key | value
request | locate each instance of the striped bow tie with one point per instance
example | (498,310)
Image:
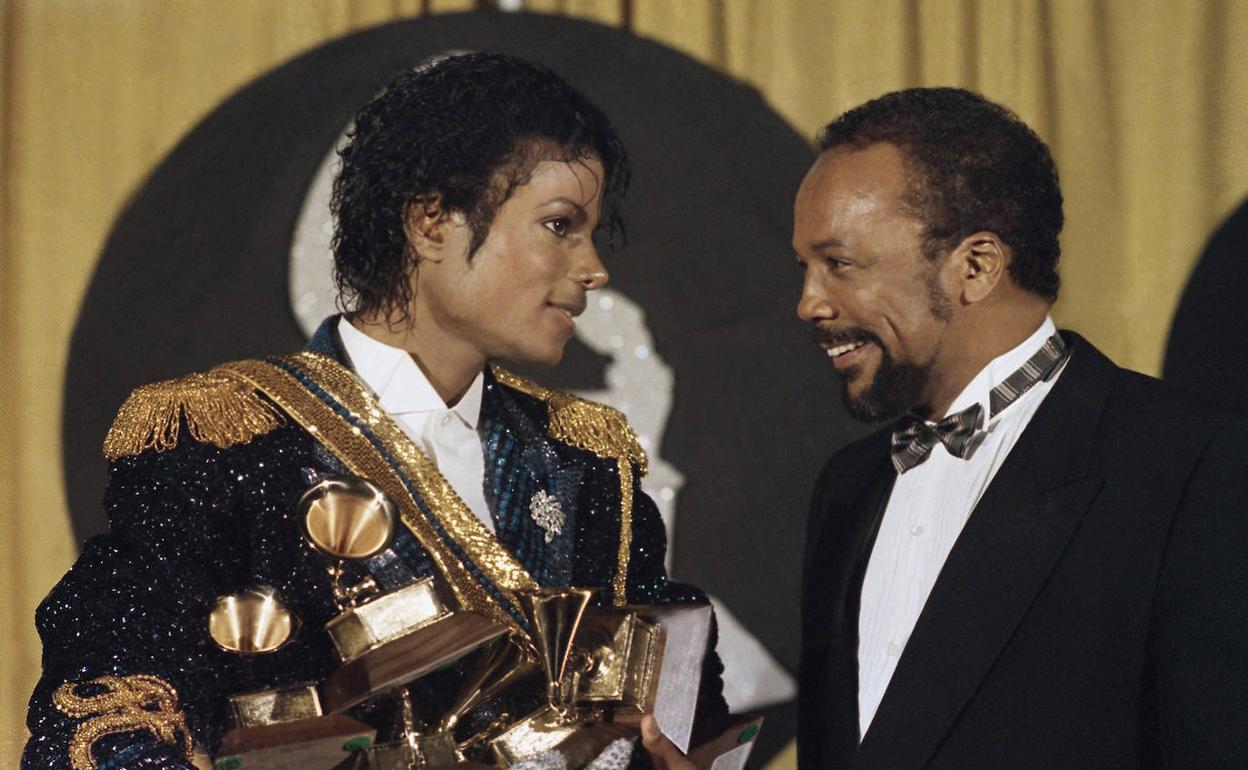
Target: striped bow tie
(914,439)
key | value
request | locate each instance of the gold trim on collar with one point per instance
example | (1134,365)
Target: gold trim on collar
(218,410)
(583,424)
(349,444)
(604,431)
(122,704)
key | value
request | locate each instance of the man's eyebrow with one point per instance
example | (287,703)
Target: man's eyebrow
(561,199)
(827,243)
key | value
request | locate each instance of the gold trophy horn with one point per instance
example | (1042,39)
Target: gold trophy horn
(251,622)
(503,663)
(348,518)
(554,614)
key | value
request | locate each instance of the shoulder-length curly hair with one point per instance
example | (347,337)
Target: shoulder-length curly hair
(454,127)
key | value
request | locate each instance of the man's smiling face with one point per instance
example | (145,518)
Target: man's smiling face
(874,298)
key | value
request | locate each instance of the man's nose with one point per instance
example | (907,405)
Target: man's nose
(816,302)
(588,270)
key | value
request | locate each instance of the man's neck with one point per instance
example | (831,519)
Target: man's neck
(982,343)
(449,367)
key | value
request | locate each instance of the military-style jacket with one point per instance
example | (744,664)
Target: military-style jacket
(204,478)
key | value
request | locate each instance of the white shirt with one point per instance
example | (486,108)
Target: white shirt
(447,436)
(926,511)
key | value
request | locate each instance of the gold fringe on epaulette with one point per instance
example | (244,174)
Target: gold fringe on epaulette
(584,424)
(595,427)
(218,409)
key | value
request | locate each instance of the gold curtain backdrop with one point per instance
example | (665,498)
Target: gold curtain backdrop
(1144,103)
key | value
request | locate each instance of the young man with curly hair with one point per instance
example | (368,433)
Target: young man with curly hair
(469,197)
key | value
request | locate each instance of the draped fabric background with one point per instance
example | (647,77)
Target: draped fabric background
(1145,105)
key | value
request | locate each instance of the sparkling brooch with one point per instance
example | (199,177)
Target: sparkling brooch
(546,512)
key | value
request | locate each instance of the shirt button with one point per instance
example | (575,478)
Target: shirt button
(917,530)
(894,649)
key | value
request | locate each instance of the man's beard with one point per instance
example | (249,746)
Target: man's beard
(894,388)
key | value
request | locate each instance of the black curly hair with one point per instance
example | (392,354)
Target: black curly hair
(454,126)
(973,166)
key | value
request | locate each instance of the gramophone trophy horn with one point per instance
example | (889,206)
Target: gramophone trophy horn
(502,664)
(251,622)
(554,614)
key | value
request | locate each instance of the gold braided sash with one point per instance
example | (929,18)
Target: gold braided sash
(123,704)
(463,531)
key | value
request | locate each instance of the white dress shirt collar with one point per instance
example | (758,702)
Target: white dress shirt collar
(400,385)
(998,369)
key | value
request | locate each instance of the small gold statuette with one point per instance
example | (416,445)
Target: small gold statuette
(577,733)
(277,727)
(384,639)
(546,512)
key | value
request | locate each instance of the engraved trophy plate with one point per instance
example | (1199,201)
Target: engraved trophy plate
(384,618)
(279,704)
(537,733)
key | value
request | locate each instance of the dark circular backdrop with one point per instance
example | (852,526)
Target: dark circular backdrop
(195,273)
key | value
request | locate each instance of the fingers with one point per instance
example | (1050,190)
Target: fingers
(663,753)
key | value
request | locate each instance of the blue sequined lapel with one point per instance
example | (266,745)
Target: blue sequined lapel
(520,461)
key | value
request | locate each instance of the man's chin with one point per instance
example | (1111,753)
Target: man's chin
(877,401)
(864,409)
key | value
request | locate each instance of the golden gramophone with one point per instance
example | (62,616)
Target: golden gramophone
(273,727)
(383,638)
(575,730)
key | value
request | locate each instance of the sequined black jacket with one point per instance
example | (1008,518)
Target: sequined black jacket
(130,675)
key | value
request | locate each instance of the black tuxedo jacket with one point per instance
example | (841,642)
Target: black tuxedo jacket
(1092,614)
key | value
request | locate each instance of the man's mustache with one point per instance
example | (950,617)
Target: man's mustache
(829,337)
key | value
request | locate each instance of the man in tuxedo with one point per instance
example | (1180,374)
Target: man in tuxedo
(1040,561)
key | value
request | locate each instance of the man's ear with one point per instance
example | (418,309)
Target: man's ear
(425,223)
(982,260)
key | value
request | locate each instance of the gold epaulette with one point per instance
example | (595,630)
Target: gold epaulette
(584,424)
(219,409)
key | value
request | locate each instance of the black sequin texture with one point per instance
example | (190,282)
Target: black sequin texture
(196,522)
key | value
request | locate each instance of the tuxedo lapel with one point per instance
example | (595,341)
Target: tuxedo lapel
(841,537)
(1009,547)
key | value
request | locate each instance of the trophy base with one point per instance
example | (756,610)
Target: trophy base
(303,744)
(434,750)
(578,738)
(407,658)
